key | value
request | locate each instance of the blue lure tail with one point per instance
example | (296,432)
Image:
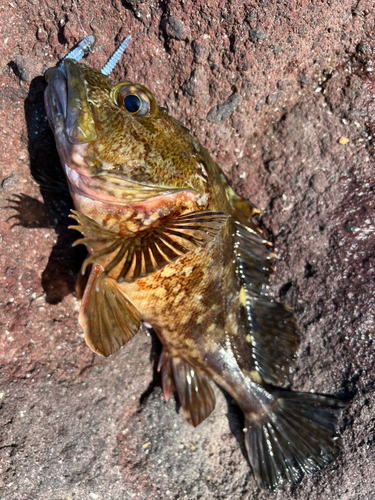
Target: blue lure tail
(82,48)
(114,59)
(86,45)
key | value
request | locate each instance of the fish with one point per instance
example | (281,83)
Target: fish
(170,243)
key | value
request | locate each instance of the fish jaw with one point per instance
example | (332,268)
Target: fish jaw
(60,115)
(69,114)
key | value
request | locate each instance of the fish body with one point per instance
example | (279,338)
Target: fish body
(172,244)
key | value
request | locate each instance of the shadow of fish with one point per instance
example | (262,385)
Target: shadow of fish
(171,243)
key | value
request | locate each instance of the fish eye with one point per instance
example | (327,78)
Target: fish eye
(133,99)
(132,103)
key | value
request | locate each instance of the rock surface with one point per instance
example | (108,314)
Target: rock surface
(75,426)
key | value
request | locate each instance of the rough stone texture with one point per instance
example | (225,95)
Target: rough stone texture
(74,426)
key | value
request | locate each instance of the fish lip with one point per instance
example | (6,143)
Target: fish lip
(55,102)
(56,105)
(91,186)
(56,94)
(66,98)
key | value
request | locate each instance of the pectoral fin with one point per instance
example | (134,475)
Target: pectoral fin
(108,318)
(195,393)
(139,254)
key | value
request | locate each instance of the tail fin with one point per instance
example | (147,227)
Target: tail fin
(294,436)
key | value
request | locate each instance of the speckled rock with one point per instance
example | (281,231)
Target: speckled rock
(269,88)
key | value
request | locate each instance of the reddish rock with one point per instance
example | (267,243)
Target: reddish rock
(27,68)
(78,426)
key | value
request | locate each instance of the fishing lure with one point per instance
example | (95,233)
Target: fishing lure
(87,44)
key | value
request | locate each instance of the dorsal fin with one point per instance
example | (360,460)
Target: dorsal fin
(243,210)
(273,331)
(107,316)
(139,254)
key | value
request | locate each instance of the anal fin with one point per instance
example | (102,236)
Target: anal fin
(293,436)
(107,316)
(195,393)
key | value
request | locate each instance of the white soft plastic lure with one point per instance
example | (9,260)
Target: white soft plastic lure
(87,44)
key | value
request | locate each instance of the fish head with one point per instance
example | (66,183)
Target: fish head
(114,135)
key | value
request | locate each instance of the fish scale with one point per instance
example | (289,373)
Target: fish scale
(172,244)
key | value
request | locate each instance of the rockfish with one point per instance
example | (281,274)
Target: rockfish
(172,244)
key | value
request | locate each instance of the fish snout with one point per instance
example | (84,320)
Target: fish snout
(67,104)
(55,98)
(63,120)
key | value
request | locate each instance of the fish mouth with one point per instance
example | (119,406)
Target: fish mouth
(66,98)
(69,112)
(63,114)
(73,123)
(113,189)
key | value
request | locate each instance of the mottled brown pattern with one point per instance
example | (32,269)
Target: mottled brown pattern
(172,158)
(209,303)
